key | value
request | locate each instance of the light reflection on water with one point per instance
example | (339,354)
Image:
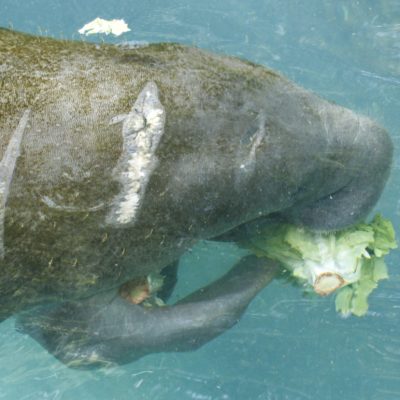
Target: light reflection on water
(286,346)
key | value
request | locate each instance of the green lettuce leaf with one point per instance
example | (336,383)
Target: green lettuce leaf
(348,261)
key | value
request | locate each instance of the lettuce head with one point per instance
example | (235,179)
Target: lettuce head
(349,261)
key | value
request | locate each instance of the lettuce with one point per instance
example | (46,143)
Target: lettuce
(348,261)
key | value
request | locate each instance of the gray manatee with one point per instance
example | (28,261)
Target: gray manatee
(115,161)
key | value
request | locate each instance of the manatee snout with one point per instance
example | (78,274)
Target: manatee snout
(368,149)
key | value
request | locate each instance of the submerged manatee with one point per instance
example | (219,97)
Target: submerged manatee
(115,161)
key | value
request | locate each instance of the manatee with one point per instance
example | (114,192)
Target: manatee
(115,161)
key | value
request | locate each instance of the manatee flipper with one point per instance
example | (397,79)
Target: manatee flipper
(106,329)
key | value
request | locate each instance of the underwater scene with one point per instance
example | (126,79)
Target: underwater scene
(257,142)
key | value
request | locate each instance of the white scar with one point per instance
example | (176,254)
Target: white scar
(142,129)
(7,166)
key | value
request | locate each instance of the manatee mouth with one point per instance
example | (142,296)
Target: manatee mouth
(107,329)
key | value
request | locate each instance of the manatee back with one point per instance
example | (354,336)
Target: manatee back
(58,238)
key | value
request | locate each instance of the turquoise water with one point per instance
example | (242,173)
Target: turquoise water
(286,347)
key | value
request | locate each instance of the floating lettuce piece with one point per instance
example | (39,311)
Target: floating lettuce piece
(100,25)
(349,260)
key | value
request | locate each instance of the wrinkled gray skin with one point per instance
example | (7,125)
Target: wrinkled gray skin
(238,143)
(106,329)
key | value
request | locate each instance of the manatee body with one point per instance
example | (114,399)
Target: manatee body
(115,161)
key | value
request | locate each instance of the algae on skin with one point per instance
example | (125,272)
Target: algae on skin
(64,180)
